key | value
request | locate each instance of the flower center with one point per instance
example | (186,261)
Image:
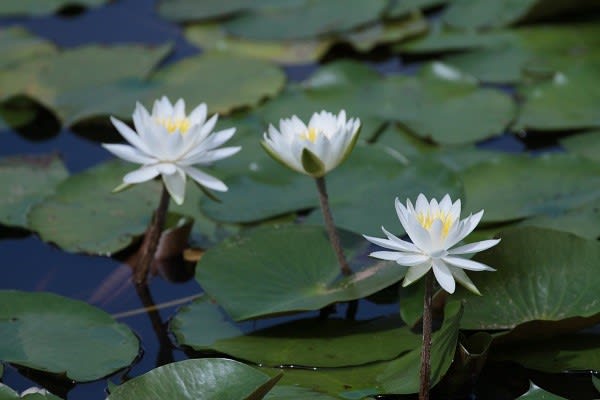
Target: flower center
(175,125)
(427,219)
(310,135)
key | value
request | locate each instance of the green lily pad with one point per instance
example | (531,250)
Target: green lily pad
(18,45)
(565,102)
(43,331)
(364,215)
(529,52)
(190,322)
(440,40)
(395,31)
(586,145)
(26,181)
(402,375)
(6,393)
(112,220)
(192,10)
(310,18)
(577,352)
(223,81)
(282,392)
(596,383)
(306,342)
(513,187)
(541,275)
(293,268)
(41,7)
(402,8)
(486,14)
(537,393)
(213,37)
(389,377)
(583,221)
(101,70)
(204,379)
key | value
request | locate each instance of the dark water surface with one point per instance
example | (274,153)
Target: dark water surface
(32,265)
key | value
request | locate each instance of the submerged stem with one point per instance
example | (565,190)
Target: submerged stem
(330,226)
(149,245)
(426,349)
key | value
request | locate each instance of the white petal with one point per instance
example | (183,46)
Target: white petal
(419,235)
(142,174)
(463,279)
(443,276)
(129,134)
(422,206)
(198,115)
(469,224)
(179,110)
(465,263)
(206,128)
(474,247)
(445,204)
(175,184)
(455,210)
(211,156)
(407,246)
(411,259)
(129,153)
(385,255)
(415,273)
(205,180)
(166,168)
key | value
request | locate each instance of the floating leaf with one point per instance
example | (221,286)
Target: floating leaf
(365,39)
(439,40)
(41,7)
(310,19)
(541,275)
(577,352)
(43,331)
(18,45)
(6,393)
(486,14)
(583,221)
(596,382)
(402,375)
(292,268)
(192,10)
(223,81)
(204,379)
(524,186)
(306,342)
(404,7)
(281,392)
(537,393)
(213,37)
(26,181)
(586,145)
(108,72)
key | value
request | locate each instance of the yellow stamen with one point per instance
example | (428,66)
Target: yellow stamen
(175,125)
(427,219)
(310,135)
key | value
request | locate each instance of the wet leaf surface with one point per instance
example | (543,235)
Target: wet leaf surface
(41,7)
(43,331)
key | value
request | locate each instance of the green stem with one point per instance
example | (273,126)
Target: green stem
(150,244)
(426,349)
(330,226)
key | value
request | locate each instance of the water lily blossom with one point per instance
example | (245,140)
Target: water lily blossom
(169,143)
(314,149)
(434,228)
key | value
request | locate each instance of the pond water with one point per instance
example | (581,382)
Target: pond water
(33,265)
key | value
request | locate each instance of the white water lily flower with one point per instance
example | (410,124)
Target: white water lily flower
(169,143)
(314,149)
(434,228)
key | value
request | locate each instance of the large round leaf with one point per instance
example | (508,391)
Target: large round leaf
(108,72)
(282,392)
(309,19)
(85,216)
(17,46)
(40,7)
(568,101)
(583,221)
(513,187)
(26,181)
(541,275)
(537,393)
(292,268)
(193,10)
(204,379)
(306,342)
(586,145)
(50,333)
(223,81)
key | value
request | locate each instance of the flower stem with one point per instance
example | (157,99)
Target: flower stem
(330,226)
(150,243)
(426,349)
